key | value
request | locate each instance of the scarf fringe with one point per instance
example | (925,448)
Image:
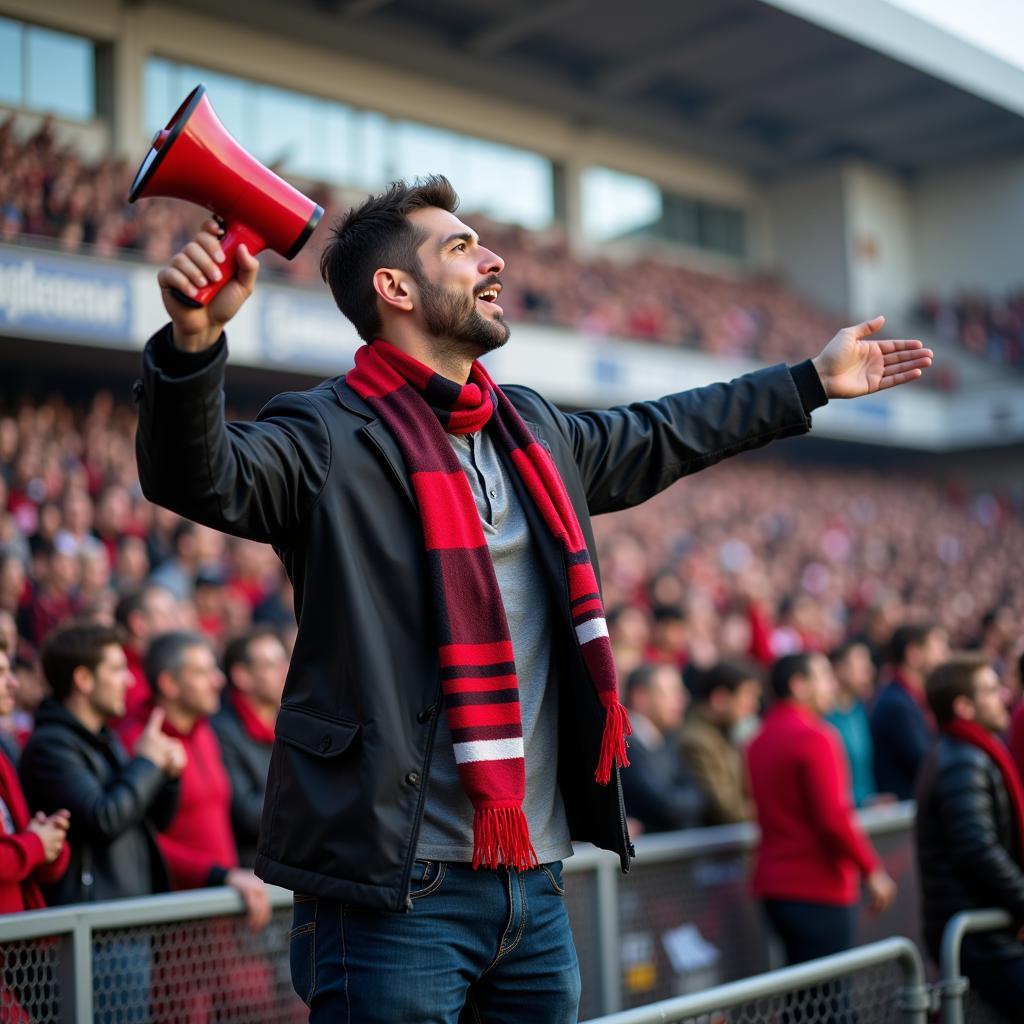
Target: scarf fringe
(613,742)
(501,836)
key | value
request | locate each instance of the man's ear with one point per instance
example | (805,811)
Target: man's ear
(82,680)
(395,288)
(963,707)
(165,686)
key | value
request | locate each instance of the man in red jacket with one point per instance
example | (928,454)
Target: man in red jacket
(812,854)
(32,851)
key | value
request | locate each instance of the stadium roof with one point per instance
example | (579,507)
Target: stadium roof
(743,80)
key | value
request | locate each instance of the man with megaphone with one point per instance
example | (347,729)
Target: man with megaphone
(450,720)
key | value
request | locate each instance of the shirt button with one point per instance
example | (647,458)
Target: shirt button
(494,493)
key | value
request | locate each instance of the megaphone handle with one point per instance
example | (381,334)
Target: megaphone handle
(234,236)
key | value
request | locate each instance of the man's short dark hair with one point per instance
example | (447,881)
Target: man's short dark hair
(725,675)
(77,643)
(375,234)
(239,649)
(131,602)
(913,634)
(783,671)
(639,680)
(667,613)
(167,653)
(953,678)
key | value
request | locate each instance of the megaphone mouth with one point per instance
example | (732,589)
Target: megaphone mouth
(164,140)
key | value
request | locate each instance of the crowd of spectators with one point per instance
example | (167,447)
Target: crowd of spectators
(47,192)
(988,326)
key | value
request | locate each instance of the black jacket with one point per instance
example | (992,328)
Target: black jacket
(117,805)
(247,762)
(320,477)
(968,846)
(660,791)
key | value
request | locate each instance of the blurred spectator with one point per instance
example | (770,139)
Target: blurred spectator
(198,845)
(970,827)
(669,637)
(256,665)
(855,675)
(660,792)
(75,760)
(989,327)
(33,851)
(999,629)
(812,853)
(728,695)
(629,632)
(142,614)
(1017,719)
(901,723)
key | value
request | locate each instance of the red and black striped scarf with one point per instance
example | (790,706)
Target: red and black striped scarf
(478,673)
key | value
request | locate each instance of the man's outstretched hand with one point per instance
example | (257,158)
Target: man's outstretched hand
(851,365)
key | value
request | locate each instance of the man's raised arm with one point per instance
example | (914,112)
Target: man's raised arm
(255,480)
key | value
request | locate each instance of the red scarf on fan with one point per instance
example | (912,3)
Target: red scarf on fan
(478,672)
(257,729)
(971,732)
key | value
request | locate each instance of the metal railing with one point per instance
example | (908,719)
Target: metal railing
(954,988)
(819,990)
(681,921)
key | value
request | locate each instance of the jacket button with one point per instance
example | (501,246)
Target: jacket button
(413,778)
(325,744)
(426,714)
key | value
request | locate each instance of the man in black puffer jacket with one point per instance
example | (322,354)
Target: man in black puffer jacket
(970,826)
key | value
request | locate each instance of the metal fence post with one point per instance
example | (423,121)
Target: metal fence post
(609,932)
(74,974)
(953,985)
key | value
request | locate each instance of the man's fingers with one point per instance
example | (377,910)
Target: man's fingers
(905,354)
(155,721)
(869,327)
(899,378)
(888,346)
(248,268)
(911,363)
(203,259)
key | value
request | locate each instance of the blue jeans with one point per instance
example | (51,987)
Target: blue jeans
(477,946)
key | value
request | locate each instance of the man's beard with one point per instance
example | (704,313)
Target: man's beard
(452,318)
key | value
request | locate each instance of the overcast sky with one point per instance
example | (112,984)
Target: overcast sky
(997,25)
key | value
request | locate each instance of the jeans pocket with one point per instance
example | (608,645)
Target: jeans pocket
(302,947)
(554,873)
(427,876)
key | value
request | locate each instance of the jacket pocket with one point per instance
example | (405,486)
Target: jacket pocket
(313,733)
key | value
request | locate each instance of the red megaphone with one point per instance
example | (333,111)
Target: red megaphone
(195,158)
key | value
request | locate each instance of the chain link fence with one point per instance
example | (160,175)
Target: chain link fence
(30,992)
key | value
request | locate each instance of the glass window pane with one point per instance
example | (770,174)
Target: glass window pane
(158,102)
(615,204)
(285,127)
(340,152)
(723,230)
(61,74)
(10,62)
(375,165)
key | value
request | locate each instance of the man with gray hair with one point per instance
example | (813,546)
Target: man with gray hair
(198,845)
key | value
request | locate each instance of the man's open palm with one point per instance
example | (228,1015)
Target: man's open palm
(851,364)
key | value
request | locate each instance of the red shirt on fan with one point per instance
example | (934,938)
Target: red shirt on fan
(811,846)
(199,847)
